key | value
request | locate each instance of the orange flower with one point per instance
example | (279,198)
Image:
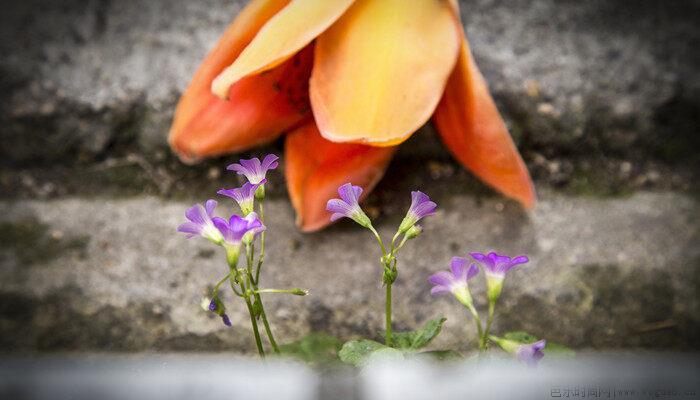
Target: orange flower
(350,79)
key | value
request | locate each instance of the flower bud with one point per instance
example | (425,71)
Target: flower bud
(413,232)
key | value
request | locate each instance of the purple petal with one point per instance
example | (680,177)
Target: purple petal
(228,193)
(532,353)
(212,305)
(226,320)
(473,270)
(442,278)
(439,289)
(221,225)
(515,262)
(349,193)
(196,214)
(425,209)
(485,260)
(241,170)
(237,224)
(210,205)
(252,166)
(269,162)
(539,345)
(421,204)
(190,228)
(338,206)
(337,216)
(458,266)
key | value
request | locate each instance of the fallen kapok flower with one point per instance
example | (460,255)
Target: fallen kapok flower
(364,74)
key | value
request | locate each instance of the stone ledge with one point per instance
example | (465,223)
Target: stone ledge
(605,273)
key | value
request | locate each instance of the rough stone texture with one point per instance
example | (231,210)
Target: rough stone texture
(80,77)
(601,96)
(113,274)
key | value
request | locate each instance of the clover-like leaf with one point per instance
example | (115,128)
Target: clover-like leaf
(385,353)
(355,352)
(414,340)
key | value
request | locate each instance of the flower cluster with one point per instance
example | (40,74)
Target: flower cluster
(236,233)
(347,206)
(495,268)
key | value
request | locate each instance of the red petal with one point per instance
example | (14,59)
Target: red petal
(316,167)
(260,107)
(472,128)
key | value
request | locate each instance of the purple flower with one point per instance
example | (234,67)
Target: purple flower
(531,354)
(244,195)
(212,305)
(496,267)
(253,169)
(455,280)
(201,222)
(226,320)
(421,207)
(238,229)
(347,205)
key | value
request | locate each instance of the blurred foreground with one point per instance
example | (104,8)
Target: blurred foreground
(667,376)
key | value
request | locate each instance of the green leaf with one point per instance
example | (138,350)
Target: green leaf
(385,353)
(355,352)
(414,340)
(520,337)
(558,350)
(313,348)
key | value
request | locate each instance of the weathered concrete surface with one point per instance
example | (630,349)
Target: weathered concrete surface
(80,78)
(113,275)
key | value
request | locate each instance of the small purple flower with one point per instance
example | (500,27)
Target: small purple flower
(212,305)
(226,320)
(238,229)
(348,206)
(244,195)
(201,222)
(455,280)
(498,265)
(421,207)
(253,169)
(531,354)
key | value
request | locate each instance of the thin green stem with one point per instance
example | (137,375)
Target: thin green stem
(253,322)
(489,321)
(289,291)
(235,277)
(268,330)
(254,284)
(216,287)
(379,239)
(477,321)
(261,258)
(389,341)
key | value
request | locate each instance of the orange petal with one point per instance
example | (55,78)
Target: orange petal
(260,107)
(241,31)
(315,168)
(380,70)
(287,32)
(473,130)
